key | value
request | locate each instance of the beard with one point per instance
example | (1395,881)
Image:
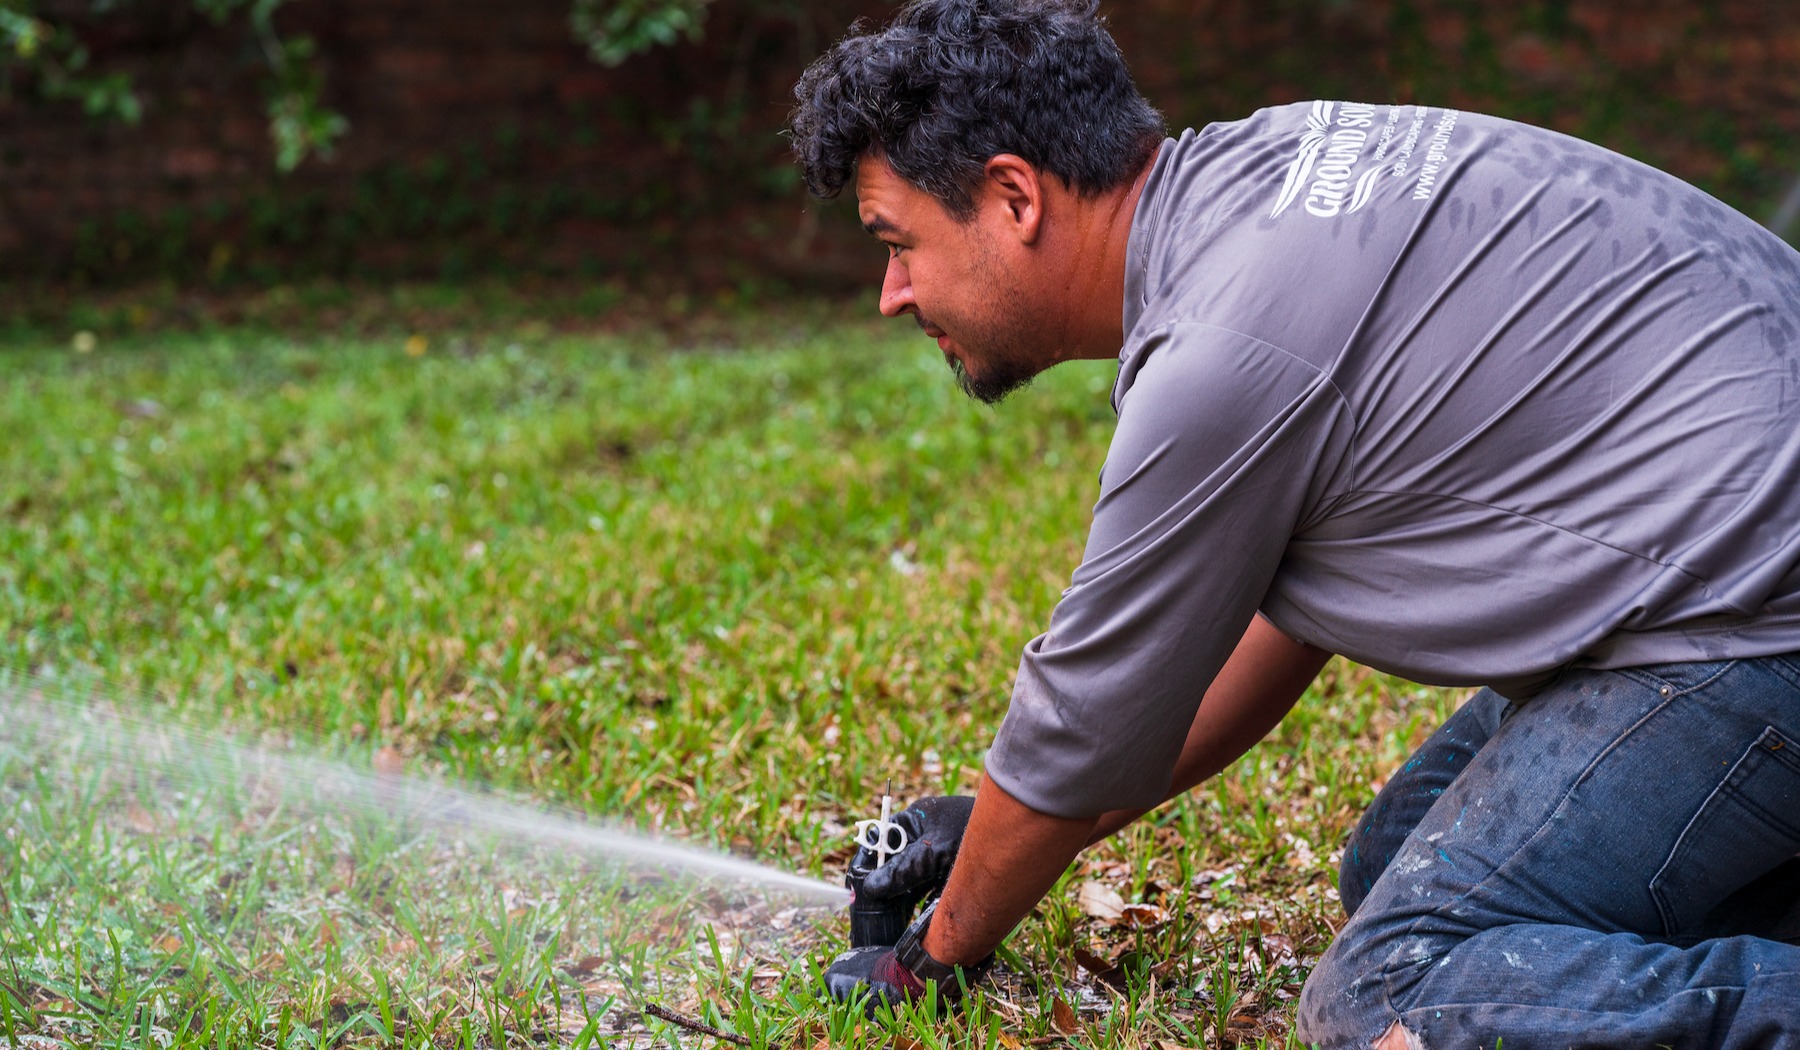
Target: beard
(1005,362)
(995,382)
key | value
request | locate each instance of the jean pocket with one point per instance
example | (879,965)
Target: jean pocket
(1748,825)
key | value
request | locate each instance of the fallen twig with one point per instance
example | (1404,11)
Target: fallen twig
(697,1026)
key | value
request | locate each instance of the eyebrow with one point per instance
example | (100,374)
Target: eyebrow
(878,226)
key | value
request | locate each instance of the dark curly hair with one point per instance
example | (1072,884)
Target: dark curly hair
(949,84)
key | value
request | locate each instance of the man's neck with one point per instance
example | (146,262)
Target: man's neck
(1096,249)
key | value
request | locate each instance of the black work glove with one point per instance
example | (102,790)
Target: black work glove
(873,970)
(934,832)
(902,973)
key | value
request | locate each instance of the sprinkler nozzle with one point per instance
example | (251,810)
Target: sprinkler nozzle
(877,922)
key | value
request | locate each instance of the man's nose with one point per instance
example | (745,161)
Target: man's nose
(896,290)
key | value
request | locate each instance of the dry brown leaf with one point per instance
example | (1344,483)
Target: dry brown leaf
(168,942)
(141,821)
(1240,1024)
(1105,972)
(1100,901)
(1062,1015)
(585,965)
(1143,915)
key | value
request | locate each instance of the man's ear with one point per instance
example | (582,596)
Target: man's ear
(1014,186)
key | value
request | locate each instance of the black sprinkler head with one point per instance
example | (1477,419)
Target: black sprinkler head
(875,922)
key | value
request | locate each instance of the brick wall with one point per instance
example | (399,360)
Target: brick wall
(483,137)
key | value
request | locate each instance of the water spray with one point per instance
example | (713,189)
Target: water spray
(37,723)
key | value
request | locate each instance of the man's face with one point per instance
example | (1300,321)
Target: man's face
(955,279)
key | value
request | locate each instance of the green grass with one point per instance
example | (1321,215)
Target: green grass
(718,593)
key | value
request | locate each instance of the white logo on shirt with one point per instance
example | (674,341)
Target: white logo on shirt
(1317,123)
(1331,150)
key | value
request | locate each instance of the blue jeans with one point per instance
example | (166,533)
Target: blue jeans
(1610,864)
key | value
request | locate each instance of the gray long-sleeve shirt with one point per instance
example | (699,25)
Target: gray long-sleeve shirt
(1465,400)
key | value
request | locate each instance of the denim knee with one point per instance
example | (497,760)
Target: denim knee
(1345,1001)
(1676,780)
(1411,792)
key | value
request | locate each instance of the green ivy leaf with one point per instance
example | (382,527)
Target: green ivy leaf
(615,30)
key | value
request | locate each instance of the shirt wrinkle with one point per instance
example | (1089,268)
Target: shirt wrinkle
(1536,520)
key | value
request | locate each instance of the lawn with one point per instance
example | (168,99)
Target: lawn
(718,587)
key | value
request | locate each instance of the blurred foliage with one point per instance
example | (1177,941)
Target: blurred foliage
(298,122)
(36,54)
(57,63)
(50,59)
(614,30)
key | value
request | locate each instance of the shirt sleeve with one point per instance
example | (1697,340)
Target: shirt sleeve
(1217,456)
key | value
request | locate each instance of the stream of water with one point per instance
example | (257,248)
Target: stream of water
(65,731)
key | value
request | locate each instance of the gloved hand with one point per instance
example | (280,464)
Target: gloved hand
(902,973)
(874,970)
(934,832)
